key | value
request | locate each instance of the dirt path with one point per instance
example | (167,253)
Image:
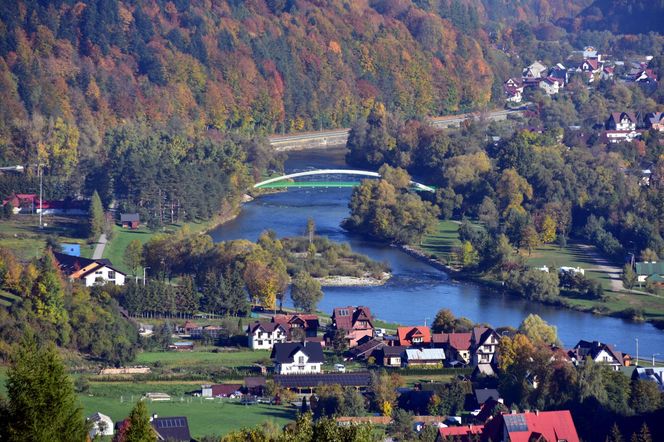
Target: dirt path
(604,266)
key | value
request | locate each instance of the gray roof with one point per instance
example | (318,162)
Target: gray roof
(425,354)
(283,353)
(129,217)
(172,428)
(484,394)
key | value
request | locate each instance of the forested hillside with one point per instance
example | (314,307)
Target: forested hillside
(623,17)
(191,65)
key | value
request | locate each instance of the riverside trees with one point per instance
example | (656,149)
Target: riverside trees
(385,210)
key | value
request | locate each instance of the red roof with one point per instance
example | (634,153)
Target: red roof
(551,426)
(406,334)
(460,432)
(225,389)
(458,341)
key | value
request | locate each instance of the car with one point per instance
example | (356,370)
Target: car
(341,368)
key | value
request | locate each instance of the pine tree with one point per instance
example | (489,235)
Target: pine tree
(42,402)
(615,435)
(139,429)
(643,435)
(96,221)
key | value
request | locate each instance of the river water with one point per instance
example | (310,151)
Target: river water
(416,290)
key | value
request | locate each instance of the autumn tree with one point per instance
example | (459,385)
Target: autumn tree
(138,427)
(133,255)
(538,330)
(306,292)
(629,277)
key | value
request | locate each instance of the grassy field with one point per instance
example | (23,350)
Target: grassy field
(22,235)
(202,357)
(443,240)
(115,248)
(206,417)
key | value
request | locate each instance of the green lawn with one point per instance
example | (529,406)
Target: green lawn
(115,248)
(442,240)
(206,417)
(202,357)
(22,235)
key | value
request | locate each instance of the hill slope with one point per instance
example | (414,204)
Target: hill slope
(191,65)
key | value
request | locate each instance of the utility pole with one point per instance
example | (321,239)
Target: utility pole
(653,358)
(637,351)
(144,269)
(41,193)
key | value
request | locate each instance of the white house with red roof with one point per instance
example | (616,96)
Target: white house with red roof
(89,271)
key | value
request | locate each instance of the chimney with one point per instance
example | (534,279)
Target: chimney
(536,412)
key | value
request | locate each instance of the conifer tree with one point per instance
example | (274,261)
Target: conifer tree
(96,220)
(42,404)
(139,429)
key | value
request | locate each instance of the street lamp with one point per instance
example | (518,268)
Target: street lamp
(144,269)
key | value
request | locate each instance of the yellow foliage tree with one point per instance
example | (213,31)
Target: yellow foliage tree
(548,233)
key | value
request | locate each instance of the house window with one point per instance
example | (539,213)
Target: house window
(300,360)
(260,342)
(417,339)
(99,272)
(111,274)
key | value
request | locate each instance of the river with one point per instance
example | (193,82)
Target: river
(416,290)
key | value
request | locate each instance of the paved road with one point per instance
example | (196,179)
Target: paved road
(334,135)
(99,248)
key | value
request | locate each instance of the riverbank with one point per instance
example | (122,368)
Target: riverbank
(635,307)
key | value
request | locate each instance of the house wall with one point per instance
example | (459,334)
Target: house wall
(296,368)
(261,340)
(104,273)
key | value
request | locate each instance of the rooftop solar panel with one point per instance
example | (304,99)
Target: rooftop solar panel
(515,422)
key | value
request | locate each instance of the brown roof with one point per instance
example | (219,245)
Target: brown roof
(617,116)
(309,321)
(268,327)
(346,317)
(225,389)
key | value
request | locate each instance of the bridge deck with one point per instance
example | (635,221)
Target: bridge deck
(309,184)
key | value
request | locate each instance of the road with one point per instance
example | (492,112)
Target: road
(99,248)
(336,137)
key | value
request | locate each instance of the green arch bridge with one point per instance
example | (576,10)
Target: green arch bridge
(286,181)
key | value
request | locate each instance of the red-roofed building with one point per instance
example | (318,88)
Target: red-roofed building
(414,336)
(221,390)
(456,345)
(545,426)
(308,323)
(356,322)
(464,433)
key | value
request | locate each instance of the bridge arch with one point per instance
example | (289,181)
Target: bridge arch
(418,186)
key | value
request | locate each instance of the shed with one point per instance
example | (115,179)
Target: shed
(130,220)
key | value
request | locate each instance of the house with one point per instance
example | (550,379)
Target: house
(598,352)
(21,202)
(483,344)
(483,395)
(419,357)
(607,73)
(391,356)
(172,429)
(255,385)
(591,65)
(649,272)
(206,332)
(559,72)
(550,85)
(89,271)
(130,220)
(654,374)
(655,121)
(297,358)
(456,345)
(365,350)
(100,425)
(622,121)
(414,336)
(263,335)
(220,390)
(543,426)
(643,76)
(463,433)
(356,322)
(62,207)
(309,324)
(513,89)
(535,70)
